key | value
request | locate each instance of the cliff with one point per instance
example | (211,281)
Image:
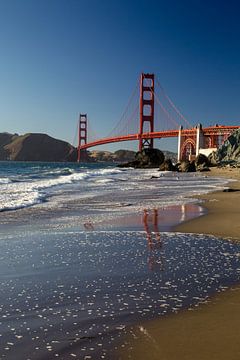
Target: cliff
(229,152)
(35,147)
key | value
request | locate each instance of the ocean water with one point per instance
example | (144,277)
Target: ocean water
(72,279)
(25,185)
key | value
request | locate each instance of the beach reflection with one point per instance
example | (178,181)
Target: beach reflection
(154,242)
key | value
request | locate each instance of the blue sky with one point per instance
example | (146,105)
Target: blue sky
(62,57)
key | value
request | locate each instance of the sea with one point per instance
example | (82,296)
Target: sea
(88,250)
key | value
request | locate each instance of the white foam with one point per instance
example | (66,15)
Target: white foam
(34,191)
(5,180)
(131,185)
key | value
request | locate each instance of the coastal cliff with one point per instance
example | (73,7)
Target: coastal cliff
(35,147)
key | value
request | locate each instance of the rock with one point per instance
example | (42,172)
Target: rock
(230,190)
(202,167)
(128,164)
(229,152)
(186,166)
(212,158)
(201,160)
(202,163)
(167,165)
(149,158)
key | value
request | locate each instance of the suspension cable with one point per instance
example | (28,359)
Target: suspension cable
(164,109)
(173,105)
(126,109)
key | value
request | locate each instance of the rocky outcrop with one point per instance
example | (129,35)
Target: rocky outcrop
(149,158)
(229,152)
(35,147)
(202,163)
(186,166)
(145,159)
(167,165)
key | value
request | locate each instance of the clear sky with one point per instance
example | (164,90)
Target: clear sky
(62,57)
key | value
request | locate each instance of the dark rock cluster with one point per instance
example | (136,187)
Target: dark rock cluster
(154,158)
(228,153)
(145,159)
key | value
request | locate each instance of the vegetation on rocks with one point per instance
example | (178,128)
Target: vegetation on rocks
(229,152)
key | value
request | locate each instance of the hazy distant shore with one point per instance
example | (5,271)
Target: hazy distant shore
(211,330)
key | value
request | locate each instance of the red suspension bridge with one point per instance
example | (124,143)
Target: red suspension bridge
(152,115)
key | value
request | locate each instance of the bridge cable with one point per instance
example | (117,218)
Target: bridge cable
(126,109)
(164,109)
(75,136)
(173,105)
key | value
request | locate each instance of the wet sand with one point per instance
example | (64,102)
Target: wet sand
(222,218)
(210,331)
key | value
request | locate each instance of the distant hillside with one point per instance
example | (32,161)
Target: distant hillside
(170,155)
(107,156)
(122,155)
(35,147)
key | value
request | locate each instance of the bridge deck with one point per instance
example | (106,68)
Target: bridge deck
(208,131)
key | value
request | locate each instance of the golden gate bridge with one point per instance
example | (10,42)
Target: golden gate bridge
(150,114)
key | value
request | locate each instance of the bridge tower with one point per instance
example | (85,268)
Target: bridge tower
(146,109)
(82,135)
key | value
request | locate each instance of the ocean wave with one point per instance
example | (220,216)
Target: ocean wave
(5,180)
(21,192)
(104,181)
(21,200)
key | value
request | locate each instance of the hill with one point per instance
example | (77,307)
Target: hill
(35,147)
(107,156)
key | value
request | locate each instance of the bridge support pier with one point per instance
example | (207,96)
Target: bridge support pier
(146,109)
(82,134)
(179,143)
(189,145)
(199,139)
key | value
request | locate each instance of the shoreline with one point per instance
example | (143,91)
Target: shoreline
(209,331)
(223,208)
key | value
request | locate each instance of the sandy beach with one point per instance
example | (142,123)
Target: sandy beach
(82,276)
(222,218)
(209,331)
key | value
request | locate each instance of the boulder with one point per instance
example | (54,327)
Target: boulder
(202,163)
(201,159)
(186,166)
(202,167)
(167,165)
(147,158)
